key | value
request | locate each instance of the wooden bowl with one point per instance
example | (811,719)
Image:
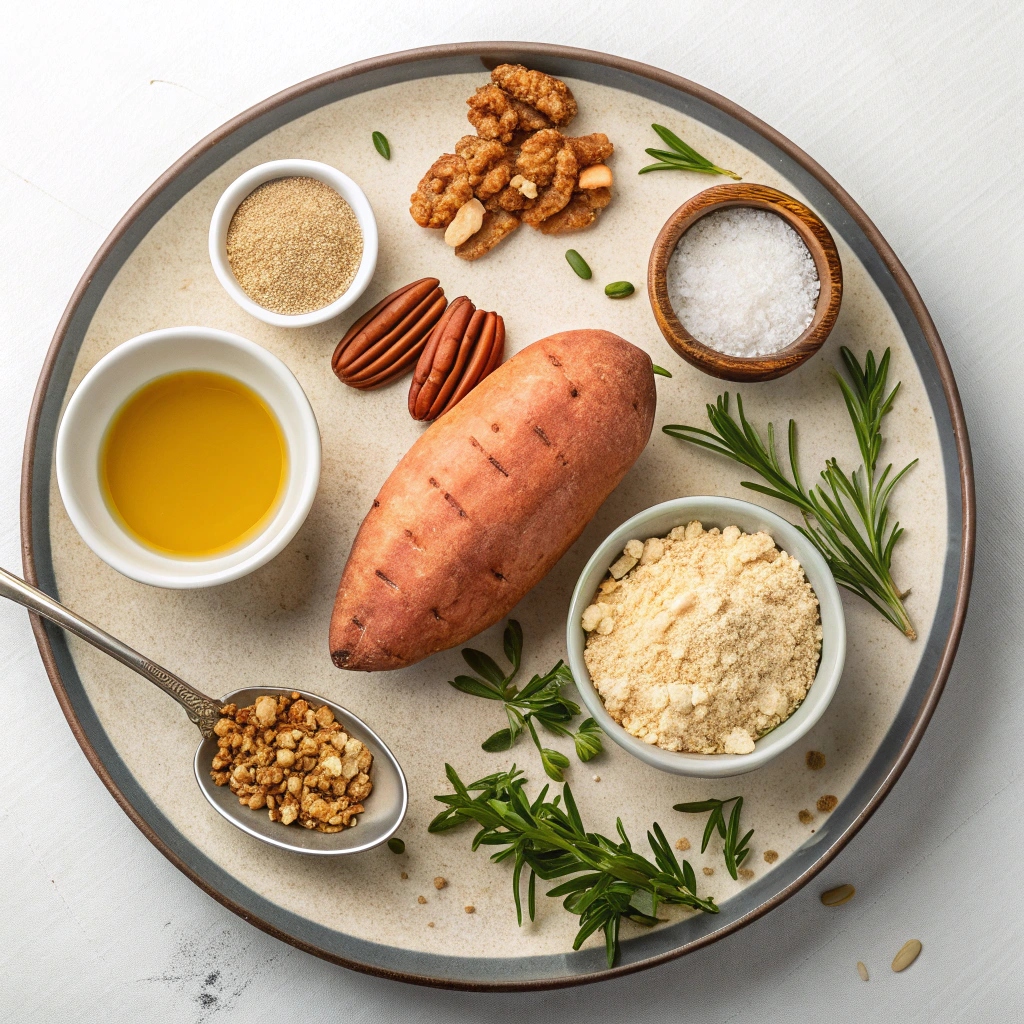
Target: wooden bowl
(820,245)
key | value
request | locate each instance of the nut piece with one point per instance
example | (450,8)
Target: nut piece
(524,186)
(596,176)
(551,96)
(498,225)
(464,347)
(385,342)
(467,223)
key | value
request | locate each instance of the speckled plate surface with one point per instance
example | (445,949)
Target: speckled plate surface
(271,627)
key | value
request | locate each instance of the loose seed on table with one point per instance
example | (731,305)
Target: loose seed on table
(579,264)
(396,845)
(381,144)
(908,953)
(862,971)
(841,894)
(618,289)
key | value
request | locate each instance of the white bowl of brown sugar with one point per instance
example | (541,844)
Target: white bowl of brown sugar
(706,635)
(294,242)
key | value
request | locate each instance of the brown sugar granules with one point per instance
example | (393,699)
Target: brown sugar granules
(746,874)
(805,817)
(770,856)
(683,844)
(815,760)
(421,899)
(470,909)
(827,803)
(439,882)
(294,245)
(709,871)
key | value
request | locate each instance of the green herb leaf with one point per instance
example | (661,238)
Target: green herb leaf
(660,370)
(846,516)
(619,290)
(578,264)
(680,157)
(540,700)
(501,740)
(588,740)
(381,144)
(604,879)
(733,850)
(395,845)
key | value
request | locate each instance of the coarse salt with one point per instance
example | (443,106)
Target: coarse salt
(742,282)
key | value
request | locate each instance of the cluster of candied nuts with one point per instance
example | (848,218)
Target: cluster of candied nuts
(295,760)
(518,168)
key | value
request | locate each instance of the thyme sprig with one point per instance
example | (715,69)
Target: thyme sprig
(540,699)
(734,849)
(680,157)
(847,519)
(610,879)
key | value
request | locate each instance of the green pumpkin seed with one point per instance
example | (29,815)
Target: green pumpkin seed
(618,289)
(381,144)
(395,845)
(660,370)
(579,264)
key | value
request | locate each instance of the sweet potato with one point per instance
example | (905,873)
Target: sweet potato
(490,497)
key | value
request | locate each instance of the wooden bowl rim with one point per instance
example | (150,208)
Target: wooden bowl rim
(814,234)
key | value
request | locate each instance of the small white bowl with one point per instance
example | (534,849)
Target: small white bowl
(241,187)
(117,376)
(721,512)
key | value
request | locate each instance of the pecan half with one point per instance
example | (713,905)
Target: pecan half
(384,343)
(464,347)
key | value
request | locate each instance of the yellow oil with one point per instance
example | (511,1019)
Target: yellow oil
(193,463)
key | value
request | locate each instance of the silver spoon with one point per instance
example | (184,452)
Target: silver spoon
(385,806)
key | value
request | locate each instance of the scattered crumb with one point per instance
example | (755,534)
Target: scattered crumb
(470,909)
(439,882)
(597,778)
(421,899)
(430,924)
(862,971)
(815,759)
(770,856)
(405,876)
(827,803)
(805,817)
(745,873)
(683,844)
(709,871)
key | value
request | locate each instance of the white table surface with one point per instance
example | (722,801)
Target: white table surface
(915,107)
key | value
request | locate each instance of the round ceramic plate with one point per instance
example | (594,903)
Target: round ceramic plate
(270,628)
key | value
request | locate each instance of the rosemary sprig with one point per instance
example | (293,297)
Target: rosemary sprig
(681,157)
(540,699)
(848,518)
(734,849)
(611,880)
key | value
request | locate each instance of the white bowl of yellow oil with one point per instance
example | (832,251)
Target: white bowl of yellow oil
(188,457)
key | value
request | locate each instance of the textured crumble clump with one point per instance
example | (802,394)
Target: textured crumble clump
(703,641)
(827,803)
(815,760)
(294,760)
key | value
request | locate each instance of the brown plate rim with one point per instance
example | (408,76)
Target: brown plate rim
(910,295)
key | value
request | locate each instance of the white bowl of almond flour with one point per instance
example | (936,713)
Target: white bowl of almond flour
(706,636)
(293,242)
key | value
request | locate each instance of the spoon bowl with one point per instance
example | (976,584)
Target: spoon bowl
(385,806)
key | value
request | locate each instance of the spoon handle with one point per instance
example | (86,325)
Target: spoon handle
(202,710)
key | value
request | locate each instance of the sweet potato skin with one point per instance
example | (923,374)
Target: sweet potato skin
(488,499)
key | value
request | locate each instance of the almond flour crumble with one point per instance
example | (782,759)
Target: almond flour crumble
(704,640)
